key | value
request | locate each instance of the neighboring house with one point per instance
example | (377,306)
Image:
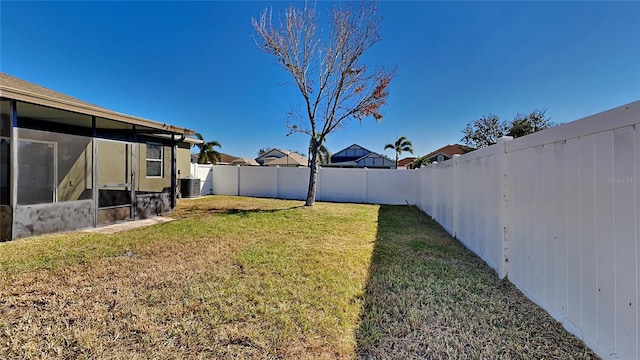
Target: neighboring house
(245,162)
(447,152)
(225,159)
(279,157)
(66,164)
(355,156)
(406,163)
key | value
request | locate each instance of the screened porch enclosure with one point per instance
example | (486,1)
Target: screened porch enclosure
(61,170)
(115,181)
(5,171)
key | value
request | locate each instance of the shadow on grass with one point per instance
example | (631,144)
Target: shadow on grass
(199,212)
(429,297)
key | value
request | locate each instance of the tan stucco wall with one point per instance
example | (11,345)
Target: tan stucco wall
(111,166)
(111,162)
(73,161)
(78,178)
(184,162)
(154,184)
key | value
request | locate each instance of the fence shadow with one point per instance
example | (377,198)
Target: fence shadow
(427,296)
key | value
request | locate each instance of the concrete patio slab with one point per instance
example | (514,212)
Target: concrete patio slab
(129,225)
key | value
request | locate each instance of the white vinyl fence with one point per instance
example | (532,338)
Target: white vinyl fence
(558,212)
(373,186)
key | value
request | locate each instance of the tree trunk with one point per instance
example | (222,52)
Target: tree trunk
(313,176)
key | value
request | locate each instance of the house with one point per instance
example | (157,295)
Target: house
(283,158)
(66,164)
(406,163)
(356,156)
(225,159)
(447,152)
(244,162)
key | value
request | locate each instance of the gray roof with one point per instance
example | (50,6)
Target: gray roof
(15,88)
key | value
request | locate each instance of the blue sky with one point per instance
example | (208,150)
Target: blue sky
(195,64)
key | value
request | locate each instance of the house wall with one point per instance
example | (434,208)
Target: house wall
(29,220)
(73,164)
(6,216)
(152,204)
(113,154)
(6,222)
(54,191)
(269,155)
(351,153)
(5,156)
(76,177)
(52,159)
(112,158)
(153,194)
(55,174)
(375,161)
(183,161)
(114,169)
(153,184)
(556,211)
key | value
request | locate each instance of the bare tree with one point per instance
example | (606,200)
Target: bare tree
(327,68)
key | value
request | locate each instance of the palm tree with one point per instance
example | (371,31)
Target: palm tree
(420,162)
(208,155)
(324,155)
(401,145)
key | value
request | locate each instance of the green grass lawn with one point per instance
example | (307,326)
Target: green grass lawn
(240,277)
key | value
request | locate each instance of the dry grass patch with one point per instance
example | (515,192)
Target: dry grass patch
(259,278)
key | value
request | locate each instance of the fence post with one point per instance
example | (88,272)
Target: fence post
(423,192)
(238,184)
(366,181)
(434,186)
(504,205)
(456,196)
(277,181)
(318,183)
(211,171)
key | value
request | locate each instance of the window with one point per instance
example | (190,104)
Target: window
(154,160)
(440,158)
